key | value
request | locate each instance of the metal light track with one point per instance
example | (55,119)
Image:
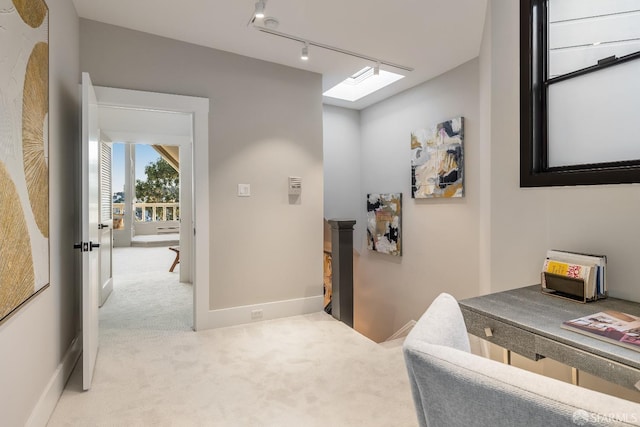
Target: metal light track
(332,48)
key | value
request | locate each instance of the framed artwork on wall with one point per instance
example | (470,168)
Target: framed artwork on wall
(384,223)
(24,155)
(437,160)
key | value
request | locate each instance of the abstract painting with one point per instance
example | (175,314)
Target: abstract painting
(24,165)
(384,223)
(437,161)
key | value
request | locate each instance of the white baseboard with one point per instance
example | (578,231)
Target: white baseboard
(49,397)
(271,310)
(402,332)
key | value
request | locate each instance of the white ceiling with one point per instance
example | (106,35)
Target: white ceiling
(431,36)
(133,126)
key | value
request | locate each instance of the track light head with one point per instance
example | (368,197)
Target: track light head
(259,12)
(305,52)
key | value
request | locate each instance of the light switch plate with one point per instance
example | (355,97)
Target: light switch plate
(244,190)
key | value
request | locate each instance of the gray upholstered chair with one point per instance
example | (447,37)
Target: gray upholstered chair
(452,387)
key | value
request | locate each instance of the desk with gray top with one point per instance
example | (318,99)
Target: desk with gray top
(528,322)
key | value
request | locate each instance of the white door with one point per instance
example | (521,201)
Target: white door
(105,226)
(90,236)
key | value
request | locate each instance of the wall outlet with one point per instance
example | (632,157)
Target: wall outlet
(244,190)
(256,314)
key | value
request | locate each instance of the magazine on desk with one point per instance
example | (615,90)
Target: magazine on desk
(611,326)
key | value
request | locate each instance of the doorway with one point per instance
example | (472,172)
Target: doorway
(146,195)
(146,239)
(194,199)
(147,185)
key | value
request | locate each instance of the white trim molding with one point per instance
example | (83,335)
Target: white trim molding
(402,332)
(52,392)
(199,152)
(269,311)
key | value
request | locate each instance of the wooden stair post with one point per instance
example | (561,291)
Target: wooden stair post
(342,267)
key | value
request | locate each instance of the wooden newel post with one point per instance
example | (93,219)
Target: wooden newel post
(342,268)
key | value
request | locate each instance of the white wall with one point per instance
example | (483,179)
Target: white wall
(265,124)
(342,167)
(34,341)
(485,79)
(526,222)
(440,237)
(518,220)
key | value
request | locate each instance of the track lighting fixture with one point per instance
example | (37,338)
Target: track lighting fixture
(308,43)
(259,12)
(354,87)
(269,25)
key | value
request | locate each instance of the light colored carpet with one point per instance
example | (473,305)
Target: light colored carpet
(152,370)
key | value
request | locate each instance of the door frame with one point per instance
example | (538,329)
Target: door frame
(199,110)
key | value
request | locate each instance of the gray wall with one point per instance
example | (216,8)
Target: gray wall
(441,246)
(265,124)
(342,151)
(484,77)
(440,237)
(501,231)
(526,222)
(33,341)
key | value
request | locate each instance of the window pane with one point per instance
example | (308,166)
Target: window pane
(594,118)
(581,32)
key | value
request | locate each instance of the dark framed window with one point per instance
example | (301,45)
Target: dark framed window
(579,92)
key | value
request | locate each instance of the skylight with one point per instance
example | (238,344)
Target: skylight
(361,84)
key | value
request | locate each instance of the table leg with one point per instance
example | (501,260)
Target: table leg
(575,376)
(506,356)
(175,261)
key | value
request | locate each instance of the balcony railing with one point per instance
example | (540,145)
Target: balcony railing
(149,212)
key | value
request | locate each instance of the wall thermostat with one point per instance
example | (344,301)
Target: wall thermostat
(295,185)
